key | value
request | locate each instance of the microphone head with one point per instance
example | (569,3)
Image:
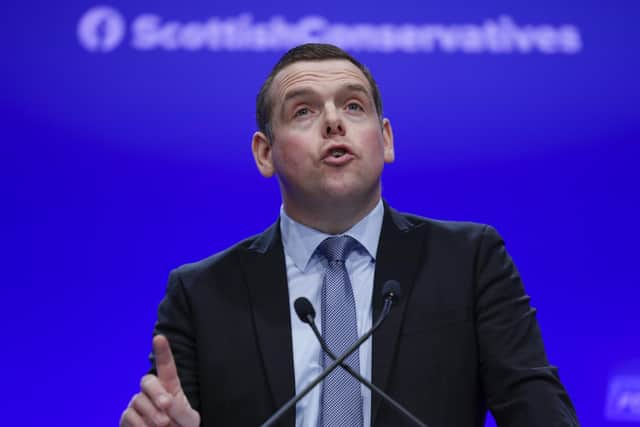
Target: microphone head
(391,290)
(304,309)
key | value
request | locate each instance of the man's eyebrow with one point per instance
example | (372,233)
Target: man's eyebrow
(354,87)
(296,93)
(305,91)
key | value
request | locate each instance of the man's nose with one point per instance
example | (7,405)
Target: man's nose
(333,123)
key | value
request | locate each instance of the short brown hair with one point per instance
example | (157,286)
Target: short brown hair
(306,52)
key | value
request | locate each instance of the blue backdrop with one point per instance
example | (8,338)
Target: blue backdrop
(126,151)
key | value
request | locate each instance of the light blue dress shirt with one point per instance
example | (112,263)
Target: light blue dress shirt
(305,272)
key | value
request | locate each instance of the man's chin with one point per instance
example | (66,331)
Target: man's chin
(351,196)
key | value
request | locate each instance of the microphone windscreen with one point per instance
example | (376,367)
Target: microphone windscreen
(304,309)
(391,288)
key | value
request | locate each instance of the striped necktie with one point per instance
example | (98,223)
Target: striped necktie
(341,398)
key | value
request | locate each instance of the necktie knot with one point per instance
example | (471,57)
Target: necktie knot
(337,248)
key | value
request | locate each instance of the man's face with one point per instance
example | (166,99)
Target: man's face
(328,142)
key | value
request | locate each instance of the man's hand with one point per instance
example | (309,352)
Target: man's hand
(161,401)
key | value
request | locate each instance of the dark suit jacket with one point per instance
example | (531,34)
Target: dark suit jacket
(462,339)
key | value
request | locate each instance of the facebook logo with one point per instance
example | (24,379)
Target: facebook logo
(101,29)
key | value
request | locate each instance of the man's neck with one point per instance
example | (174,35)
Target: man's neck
(331,217)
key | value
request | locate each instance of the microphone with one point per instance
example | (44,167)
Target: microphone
(391,290)
(390,293)
(307,314)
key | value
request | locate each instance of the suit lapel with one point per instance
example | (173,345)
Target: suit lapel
(399,253)
(266,275)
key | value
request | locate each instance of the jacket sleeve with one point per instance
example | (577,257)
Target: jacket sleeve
(521,387)
(175,323)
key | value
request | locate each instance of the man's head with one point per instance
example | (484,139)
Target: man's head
(306,52)
(323,137)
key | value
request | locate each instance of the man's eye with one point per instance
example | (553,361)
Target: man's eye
(302,112)
(354,106)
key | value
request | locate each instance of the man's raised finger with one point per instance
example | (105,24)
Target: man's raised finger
(165,365)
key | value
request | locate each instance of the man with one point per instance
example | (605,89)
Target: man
(462,339)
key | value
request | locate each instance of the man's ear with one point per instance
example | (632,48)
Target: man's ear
(261,148)
(387,137)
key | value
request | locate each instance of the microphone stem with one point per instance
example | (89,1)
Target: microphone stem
(385,310)
(370,385)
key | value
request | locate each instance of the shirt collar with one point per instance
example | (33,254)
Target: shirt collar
(300,241)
